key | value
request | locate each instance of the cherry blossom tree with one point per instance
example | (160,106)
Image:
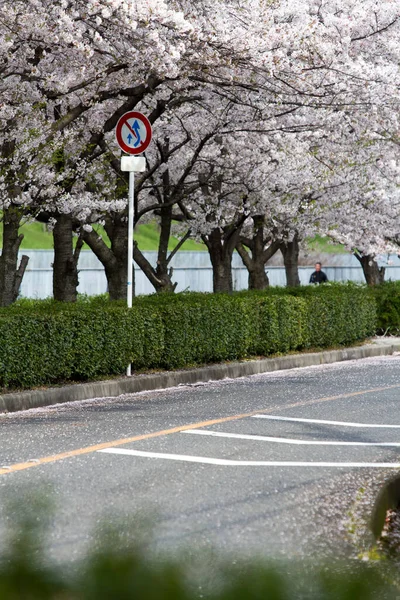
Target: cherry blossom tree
(321,75)
(79,66)
(158,191)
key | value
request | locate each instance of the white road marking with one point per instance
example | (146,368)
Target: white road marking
(342,423)
(246,463)
(265,438)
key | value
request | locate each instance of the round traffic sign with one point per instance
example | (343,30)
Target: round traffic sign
(133,132)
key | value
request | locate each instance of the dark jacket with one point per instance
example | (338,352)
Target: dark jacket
(318,277)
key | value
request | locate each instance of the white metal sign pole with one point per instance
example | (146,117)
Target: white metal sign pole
(133,134)
(129,281)
(132,164)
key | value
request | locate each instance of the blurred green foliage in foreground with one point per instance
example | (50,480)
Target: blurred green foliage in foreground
(119,569)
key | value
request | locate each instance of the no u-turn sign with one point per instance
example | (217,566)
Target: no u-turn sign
(133,132)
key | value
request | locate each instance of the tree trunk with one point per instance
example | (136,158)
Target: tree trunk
(373,274)
(117,278)
(65,266)
(259,255)
(10,274)
(114,259)
(163,273)
(290,253)
(222,272)
(160,282)
(258,278)
(161,277)
(116,269)
(221,251)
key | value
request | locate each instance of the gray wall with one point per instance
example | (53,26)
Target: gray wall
(192,271)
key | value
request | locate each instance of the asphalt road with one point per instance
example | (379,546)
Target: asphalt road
(267,465)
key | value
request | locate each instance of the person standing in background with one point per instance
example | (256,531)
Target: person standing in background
(318,276)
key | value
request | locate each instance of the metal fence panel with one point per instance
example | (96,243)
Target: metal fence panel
(191,270)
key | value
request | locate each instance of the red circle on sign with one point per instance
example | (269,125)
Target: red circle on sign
(124,121)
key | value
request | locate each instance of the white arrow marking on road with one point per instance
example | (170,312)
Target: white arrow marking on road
(265,438)
(246,463)
(342,423)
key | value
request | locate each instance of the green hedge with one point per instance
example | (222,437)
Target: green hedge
(332,314)
(201,328)
(338,314)
(75,343)
(387,298)
(44,342)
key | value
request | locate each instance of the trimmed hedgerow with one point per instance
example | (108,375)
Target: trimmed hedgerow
(44,342)
(58,343)
(387,297)
(278,323)
(200,328)
(337,313)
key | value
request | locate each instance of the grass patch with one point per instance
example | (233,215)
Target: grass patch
(324,245)
(37,237)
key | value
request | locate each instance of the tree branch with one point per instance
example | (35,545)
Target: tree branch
(179,245)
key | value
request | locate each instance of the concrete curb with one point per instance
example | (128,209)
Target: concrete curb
(139,383)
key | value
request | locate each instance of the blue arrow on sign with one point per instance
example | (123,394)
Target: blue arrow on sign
(136,130)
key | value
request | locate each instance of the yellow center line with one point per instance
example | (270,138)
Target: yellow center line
(146,436)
